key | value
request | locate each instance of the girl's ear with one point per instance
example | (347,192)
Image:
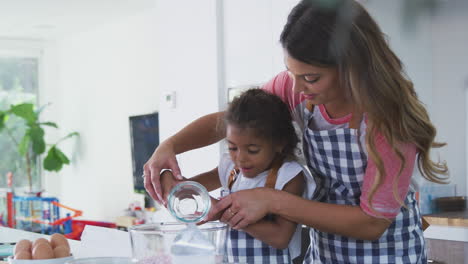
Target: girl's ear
(279,148)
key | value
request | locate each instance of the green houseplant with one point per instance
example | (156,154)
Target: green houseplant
(31,144)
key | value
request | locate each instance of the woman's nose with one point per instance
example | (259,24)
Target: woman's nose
(297,86)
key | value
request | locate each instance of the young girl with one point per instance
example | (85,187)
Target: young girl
(261,141)
(363,131)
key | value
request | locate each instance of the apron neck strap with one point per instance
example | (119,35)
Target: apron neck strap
(271,178)
(354,122)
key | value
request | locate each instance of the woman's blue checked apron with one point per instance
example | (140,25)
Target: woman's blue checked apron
(339,163)
(242,247)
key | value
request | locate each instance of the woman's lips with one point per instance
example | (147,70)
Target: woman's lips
(310,96)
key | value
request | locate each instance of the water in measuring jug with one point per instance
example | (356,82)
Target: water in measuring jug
(189,202)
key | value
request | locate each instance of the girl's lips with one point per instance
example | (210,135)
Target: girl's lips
(246,169)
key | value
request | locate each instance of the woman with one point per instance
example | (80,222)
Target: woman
(363,130)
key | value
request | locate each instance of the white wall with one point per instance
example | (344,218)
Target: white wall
(450,79)
(188,65)
(95,80)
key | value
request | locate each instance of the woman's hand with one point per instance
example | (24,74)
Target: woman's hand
(243,208)
(164,157)
(168,182)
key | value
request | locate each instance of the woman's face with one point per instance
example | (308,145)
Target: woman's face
(320,85)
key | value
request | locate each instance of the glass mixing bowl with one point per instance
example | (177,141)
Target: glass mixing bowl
(161,243)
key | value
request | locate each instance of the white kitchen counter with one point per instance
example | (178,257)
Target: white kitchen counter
(453,233)
(9,235)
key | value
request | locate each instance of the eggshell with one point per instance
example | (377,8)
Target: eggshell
(39,241)
(23,245)
(23,255)
(57,240)
(61,251)
(42,251)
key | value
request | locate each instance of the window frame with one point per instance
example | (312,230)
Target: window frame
(14,48)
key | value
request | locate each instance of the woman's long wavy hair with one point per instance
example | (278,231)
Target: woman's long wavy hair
(342,34)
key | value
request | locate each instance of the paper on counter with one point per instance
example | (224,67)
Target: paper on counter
(99,241)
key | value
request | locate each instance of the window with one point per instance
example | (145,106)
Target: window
(19,78)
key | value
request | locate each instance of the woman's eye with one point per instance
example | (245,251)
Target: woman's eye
(311,79)
(232,149)
(253,151)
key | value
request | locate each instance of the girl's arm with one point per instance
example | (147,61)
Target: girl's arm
(278,232)
(209,179)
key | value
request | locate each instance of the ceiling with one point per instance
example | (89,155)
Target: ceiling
(46,19)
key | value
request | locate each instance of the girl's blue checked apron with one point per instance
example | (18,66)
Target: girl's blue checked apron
(242,247)
(338,163)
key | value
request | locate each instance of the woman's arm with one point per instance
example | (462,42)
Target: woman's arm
(344,220)
(201,132)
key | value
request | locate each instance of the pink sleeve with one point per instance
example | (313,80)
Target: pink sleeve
(383,200)
(281,85)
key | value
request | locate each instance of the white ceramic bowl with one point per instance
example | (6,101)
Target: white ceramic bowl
(39,261)
(101,260)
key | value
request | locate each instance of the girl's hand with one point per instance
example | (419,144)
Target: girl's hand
(162,158)
(243,208)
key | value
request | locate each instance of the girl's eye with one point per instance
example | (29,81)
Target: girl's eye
(311,79)
(253,151)
(232,149)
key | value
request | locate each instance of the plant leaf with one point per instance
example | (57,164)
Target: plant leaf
(68,136)
(52,124)
(24,144)
(62,156)
(25,111)
(52,161)
(37,138)
(3,118)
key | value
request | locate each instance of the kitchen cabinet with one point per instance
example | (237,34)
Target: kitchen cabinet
(446,251)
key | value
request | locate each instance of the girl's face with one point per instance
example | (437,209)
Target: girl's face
(251,154)
(320,85)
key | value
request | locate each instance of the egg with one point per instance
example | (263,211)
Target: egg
(23,255)
(42,251)
(39,241)
(61,252)
(57,240)
(23,245)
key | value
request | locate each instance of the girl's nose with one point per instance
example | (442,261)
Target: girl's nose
(241,156)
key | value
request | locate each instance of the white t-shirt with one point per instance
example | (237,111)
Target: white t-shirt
(286,173)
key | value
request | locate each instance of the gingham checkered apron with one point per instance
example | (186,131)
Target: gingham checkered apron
(243,248)
(338,162)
